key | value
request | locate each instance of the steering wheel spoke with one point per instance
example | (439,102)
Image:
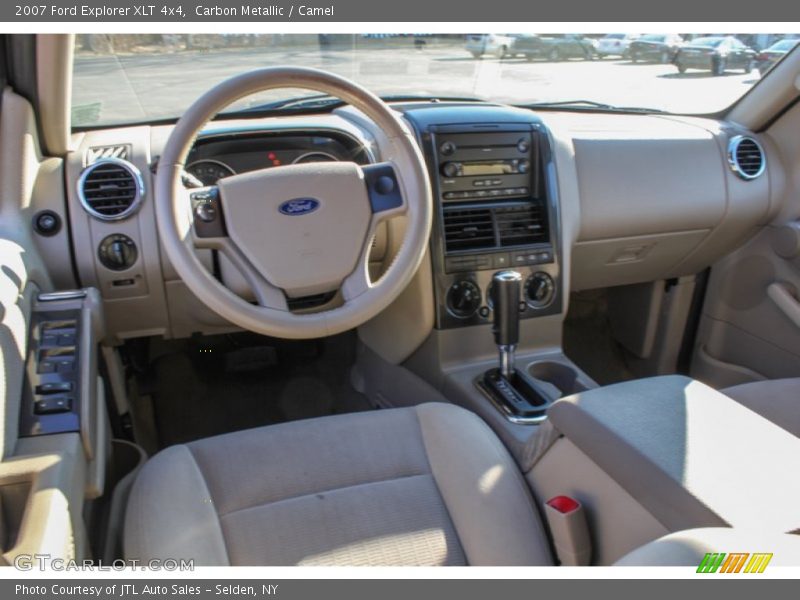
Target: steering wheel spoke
(358,282)
(385,193)
(267,295)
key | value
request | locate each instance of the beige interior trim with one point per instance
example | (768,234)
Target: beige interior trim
(617,521)
(688,548)
(773,93)
(676,445)
(54,81)
(52,470)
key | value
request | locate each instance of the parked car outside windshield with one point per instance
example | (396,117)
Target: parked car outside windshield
(660,48)
(127,78)
(717,55)
(615,44)
(767,58)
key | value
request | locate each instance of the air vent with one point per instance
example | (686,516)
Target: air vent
(746,157)
(521,225)
(496,227)
(110,189)
(468,229)
(95,153)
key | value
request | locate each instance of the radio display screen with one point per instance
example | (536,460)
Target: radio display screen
(473,169)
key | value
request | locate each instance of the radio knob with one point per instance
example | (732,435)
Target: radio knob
(451,169)
(524,166)
(447,148)
(523,146)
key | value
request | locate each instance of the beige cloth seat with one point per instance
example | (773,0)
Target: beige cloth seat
(689,547)
(429,485)
(777,400)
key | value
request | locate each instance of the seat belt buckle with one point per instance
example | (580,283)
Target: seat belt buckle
(570,531)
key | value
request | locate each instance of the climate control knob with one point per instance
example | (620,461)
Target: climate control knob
(540,289)
(463,299)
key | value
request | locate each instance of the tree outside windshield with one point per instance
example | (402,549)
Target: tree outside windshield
(124,78)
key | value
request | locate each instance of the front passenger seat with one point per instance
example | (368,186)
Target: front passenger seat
(428,485)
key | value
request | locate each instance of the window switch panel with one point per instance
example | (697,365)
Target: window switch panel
(51,405)
(58,387)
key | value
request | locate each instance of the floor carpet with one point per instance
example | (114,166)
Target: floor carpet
(217,384)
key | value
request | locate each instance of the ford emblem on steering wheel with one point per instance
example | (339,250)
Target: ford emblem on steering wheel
(299,206)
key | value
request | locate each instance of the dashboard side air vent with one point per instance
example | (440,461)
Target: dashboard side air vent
(468,229)
(746,157)
(111,189)
(521,225)
(96,153)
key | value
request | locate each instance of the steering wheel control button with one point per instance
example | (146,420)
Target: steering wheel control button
(117,252)
(464,299)
(382,187)
(540,289)
(207,211)
(46,223)
(385,185)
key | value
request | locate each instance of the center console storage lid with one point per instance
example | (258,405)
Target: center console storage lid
(689,455)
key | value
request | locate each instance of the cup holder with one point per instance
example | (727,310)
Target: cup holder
(557,379)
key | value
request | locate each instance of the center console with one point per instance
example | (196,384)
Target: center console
(496,210)
(666,454)
(495,246)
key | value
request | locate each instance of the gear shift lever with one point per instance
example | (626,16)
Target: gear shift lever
(505,386)
(505,301)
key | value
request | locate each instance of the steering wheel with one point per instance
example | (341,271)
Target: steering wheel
(296,230)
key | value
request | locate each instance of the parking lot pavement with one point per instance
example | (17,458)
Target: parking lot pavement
(141,87)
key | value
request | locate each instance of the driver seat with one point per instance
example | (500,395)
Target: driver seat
(427,485)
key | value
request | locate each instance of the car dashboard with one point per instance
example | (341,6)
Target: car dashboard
(572,199)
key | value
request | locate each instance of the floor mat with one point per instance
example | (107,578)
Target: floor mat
(217,384)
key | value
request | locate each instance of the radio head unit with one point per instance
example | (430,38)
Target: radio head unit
(486,165)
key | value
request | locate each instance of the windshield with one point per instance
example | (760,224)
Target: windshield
(120,79)
(652,38)
(709,42)
(784,46)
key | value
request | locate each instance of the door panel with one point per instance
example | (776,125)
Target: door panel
(744,334)
(748,329)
